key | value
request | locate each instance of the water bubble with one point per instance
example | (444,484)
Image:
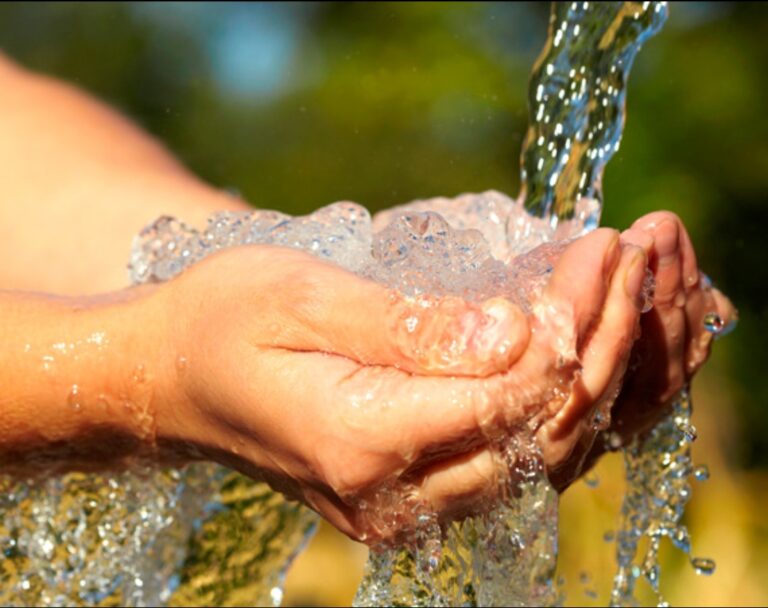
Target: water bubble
(614,441)
(713,323)
(701,473)
(688,430)
(703,565)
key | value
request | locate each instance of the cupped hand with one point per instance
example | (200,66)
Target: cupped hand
(330,386)
(673,342)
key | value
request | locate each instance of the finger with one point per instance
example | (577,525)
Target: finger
(604,358)
(726,310)
(667,258)
(462,485)
(332,310)
(651,221)
(639,238)
(703,303)
(667,323)
(574,296)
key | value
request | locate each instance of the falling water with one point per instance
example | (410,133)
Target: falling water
(576,104)
(208,535)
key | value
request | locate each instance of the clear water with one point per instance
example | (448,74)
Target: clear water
(658,472)
(505,557)
(576,103)
(206,535)
(202,536)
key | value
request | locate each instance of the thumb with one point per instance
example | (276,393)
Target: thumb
(329,309)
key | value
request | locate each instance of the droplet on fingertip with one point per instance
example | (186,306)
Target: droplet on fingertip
(713,323)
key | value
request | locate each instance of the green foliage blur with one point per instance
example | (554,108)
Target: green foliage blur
(298,105)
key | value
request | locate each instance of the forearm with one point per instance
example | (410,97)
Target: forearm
(80,386)
(77,181)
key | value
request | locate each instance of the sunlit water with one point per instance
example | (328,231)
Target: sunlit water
(206,535)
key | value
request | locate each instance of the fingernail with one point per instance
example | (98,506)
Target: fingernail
(633,283)
(496,329)
(639,238)
(612,253)
(667,242)
(501,334)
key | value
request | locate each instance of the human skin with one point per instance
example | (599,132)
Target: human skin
(289,369)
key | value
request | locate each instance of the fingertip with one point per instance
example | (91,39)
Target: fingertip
(462,484)
(505,336)
(639,238)
(575,294)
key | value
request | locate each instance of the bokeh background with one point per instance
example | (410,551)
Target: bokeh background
(299,105)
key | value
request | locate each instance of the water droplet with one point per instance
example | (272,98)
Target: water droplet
(591,480)
(48,362)
(74,398)
(689,431)
(713,323)
(181,364)
(139,374)
(703,565)
(701,472)
(276,594)
(614,441)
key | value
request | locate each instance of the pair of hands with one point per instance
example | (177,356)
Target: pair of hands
(300,373)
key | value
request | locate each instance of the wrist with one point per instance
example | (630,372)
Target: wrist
(81,379)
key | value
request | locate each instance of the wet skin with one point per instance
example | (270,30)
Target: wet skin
(289,369)
(299,373)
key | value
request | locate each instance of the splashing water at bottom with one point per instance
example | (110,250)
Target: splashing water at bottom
(658,469)
(505,557)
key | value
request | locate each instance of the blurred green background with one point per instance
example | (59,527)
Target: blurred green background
(299,105)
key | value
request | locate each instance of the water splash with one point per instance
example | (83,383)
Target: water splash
(146,537)
(658,469)
(505,557)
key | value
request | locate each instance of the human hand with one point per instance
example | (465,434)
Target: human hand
(673,344)
(302,374)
